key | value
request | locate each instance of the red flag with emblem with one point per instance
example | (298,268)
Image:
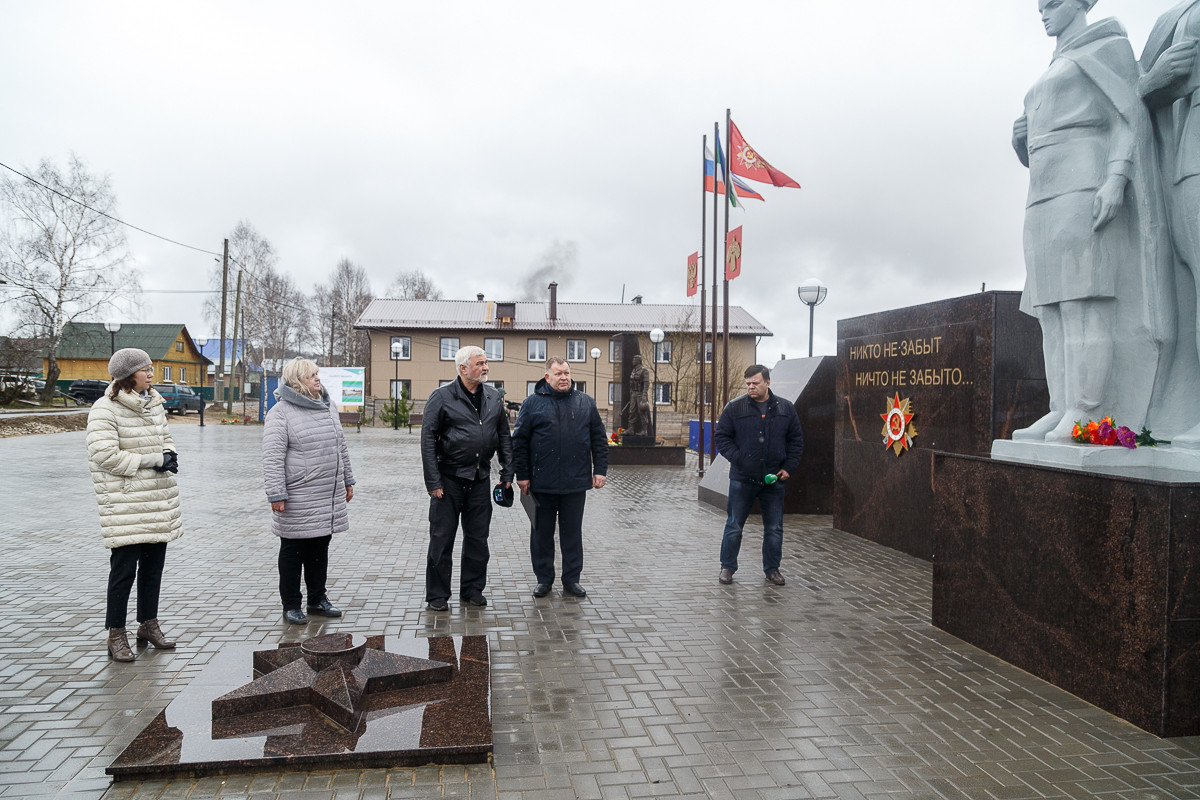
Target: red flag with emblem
(745,161)
(693,273)
(733,253)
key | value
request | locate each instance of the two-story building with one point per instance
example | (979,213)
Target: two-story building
(518,337)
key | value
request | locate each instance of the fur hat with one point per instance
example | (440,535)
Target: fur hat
(127,361)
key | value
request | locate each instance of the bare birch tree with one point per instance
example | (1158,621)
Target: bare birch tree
(274,316)
(413,285)
(62,254)
(251,252)
(348,294)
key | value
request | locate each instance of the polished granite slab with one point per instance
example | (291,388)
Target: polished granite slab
(1086,580)
(972,369)
(351,701)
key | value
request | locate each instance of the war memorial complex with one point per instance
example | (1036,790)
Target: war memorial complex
(991,556)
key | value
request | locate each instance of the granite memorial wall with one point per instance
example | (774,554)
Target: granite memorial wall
(959,372)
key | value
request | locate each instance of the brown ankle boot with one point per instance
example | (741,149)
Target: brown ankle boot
(118,645)
(149,631)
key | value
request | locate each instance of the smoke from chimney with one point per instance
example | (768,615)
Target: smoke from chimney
(558,263)
(553,301)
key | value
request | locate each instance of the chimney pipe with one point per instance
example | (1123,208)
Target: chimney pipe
(479,297)
(553,301)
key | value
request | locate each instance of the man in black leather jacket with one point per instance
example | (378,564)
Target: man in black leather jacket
(759,434)
(464,425)
(560,450)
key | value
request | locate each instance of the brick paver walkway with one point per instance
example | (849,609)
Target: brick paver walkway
(660,684)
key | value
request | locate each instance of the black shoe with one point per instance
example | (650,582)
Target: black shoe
(324,609)
(437,605)
(541,590)
(774,577)
(476,599)
(295,616)
(725,576)
(575,589)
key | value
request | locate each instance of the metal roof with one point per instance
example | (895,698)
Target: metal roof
(89,340)
(535,316)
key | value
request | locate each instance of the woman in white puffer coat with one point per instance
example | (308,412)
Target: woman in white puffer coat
(133,462)
(306,471)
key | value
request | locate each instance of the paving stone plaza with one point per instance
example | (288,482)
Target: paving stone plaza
(660,684)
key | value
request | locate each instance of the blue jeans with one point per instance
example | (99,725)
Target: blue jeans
(741,498)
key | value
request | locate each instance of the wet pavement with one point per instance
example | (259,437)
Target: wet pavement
(660,684)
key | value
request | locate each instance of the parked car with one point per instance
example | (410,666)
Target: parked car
(179,399)
(86,392)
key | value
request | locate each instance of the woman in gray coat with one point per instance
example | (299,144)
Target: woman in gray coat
(306,469)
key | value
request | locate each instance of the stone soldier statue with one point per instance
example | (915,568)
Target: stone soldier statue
(637,410)
(1098,265)
(1170,87)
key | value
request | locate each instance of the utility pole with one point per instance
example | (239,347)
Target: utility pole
(219,383)
(332,327)
(237,305)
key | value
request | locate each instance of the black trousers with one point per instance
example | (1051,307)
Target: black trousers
(567,511)
(470,502)
(313,556)
(145,561)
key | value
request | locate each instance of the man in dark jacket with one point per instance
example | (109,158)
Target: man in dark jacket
(560,450)
(759,434)
(464,425)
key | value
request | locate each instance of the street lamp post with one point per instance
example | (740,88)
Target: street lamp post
(397,349)
(203,369)
(112,326)
(812,294)
(656,336)
(595,353)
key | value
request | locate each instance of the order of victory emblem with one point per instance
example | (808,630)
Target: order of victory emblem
(898,430)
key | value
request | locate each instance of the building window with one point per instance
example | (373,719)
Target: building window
(444,383)
(612,393)
(498,385)
(662,352)
(576,349)
(400,389)
(166,374)
(449,347)
(179,347)
(581,386)
(405,348)
(614,351)
(537,350)
(493,349)
(707,393)
(662,394)
(183,374)
(529,387)
(708,353)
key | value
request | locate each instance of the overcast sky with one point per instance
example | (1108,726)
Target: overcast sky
(467,138)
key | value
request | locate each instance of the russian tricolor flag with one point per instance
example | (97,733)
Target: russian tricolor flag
(740,187)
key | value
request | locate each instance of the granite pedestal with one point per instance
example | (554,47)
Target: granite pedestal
(1087,580)
(626,455)
(338,701)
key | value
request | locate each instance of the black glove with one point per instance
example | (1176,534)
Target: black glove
(170,462)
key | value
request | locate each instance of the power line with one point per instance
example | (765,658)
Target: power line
(106,215)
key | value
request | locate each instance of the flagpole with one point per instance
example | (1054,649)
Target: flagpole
(725,325)
(716,396)
(703,299)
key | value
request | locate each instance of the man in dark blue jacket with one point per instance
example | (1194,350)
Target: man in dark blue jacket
(759,434)
(464,425)
(560,450)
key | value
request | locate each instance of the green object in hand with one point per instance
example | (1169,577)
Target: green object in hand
(769,479)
